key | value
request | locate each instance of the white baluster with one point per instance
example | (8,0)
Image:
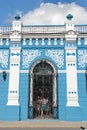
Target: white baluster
(79,42)
(85,41)
(43,43)
(7,41)
(37,42)
(55,41)
(30,42)
(61,41)
(24,41)
(49,42)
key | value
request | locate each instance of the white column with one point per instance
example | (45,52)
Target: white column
(54,91)
(31,89)
(13,94)
(71,73)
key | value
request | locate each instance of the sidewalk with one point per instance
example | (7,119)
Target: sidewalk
(43,123)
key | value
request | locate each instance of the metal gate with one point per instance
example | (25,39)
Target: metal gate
(43,89)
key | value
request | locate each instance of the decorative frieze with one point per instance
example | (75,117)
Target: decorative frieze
(28,56)
(4,56)
(57,56)
(43,41)
(82,58)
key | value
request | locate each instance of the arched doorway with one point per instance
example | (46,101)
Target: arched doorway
(43,86)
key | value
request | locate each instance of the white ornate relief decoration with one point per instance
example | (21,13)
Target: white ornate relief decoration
(29,56)
(82,58)
(4,55)
(57,56)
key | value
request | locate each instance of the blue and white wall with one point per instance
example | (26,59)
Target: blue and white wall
(66,51)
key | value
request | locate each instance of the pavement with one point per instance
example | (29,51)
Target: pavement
(42,124)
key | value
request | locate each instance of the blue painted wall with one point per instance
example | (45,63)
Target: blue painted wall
(82,95)
(62,96)
(9,113)
(64,113)
(24,96)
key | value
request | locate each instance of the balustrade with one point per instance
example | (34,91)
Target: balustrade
(81,28)
(5,29)
(44,29)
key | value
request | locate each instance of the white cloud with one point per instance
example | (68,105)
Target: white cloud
(49,13)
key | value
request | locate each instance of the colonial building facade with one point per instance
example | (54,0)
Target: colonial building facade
(43,61)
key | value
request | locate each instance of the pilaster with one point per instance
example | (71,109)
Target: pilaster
(71,72)
(15,49)
(71,63)
(13,93)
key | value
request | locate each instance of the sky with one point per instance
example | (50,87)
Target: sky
(43,11)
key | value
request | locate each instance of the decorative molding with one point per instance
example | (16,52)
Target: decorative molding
(57,56)
(15,36)
(4,55)
(81,71)
(82,58)
(28,56)
(58,71)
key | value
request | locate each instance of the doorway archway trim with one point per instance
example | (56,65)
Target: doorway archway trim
(54,82)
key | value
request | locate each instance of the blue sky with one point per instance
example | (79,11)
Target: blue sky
(9,8)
